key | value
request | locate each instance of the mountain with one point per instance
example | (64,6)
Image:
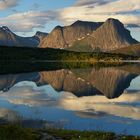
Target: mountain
(111,35)
(63,37)
(8,38)
(40,35)
(131,50)
(81,36)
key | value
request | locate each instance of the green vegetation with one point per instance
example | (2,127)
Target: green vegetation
(16,132)
(49,54)
(23,59)
(88,135)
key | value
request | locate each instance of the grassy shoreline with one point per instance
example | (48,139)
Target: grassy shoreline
(16,132)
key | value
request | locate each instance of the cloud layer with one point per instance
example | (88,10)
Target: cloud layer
(5,4)
(99,10)
(127,12)
(27,21)
(91,2)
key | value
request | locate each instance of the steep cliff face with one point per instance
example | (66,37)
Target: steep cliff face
(40,35)
(8,38)
(110,36)
(63,37)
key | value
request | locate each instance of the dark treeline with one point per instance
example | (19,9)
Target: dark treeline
(40,54)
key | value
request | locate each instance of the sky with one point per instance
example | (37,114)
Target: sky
(25,17)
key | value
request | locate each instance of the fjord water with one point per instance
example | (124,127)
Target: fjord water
(92,98)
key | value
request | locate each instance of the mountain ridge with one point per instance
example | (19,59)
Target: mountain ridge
(8,38)
(83,36)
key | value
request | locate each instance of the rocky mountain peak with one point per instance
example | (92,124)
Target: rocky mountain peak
(86,23)
(123,33)
(63,37)
(114,24)
(58,28)
(79,22)
(112,35)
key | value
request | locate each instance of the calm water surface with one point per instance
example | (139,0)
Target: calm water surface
(106,98)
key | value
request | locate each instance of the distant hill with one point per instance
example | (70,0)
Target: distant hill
(130,50)
(8,38)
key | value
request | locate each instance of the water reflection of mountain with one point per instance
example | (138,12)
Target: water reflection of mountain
(8,81)
(109,81)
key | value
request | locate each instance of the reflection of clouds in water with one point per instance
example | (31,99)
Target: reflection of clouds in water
(27,93)
(122,121)
(8,115)
(126,105)
(135,84)
(29,90)
(90,114)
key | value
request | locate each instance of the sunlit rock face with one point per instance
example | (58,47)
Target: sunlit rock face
(107,36)
(40,36)
(111,35)
(63,37)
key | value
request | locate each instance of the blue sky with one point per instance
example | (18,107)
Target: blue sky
(25,17)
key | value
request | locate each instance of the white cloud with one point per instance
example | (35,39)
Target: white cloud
(100,10)
(5,4)
(127,11)
(27,21)
(91,2)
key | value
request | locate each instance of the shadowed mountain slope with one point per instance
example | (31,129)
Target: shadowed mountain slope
(8,38)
